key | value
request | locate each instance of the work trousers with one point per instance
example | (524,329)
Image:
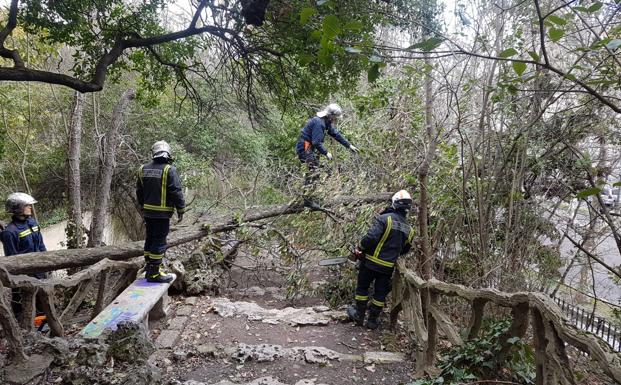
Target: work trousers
(382,284)
(155,242)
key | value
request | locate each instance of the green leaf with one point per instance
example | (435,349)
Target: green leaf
(595,7)
(614,44)
(508,53)
(519,67)
(534,56)
(588,192)
(557,20)
(428,45)
(373,73)
(616,184)
(570,77)
(305,59)
(306,14)
(354,25)
(580,9)
(331,26)
(353,50)
(556,34)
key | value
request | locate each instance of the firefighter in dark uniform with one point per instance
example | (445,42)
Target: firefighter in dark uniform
(159,193)
(389,237)
(21,236)
(313,134)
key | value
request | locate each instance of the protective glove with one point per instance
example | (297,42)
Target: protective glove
(179,217)
(354,148)
(329,156)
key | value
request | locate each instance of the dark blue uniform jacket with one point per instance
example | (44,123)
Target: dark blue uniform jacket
(159,191)
(21,237)
(314,133)
(389,237)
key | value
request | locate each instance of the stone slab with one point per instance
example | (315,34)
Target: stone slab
(178,323)
(383,357)
(184,310)
(167,339)
(133,305)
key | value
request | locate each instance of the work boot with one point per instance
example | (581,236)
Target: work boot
(358,312)
(154,273)
(373,321)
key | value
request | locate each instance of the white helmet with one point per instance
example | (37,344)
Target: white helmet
(401,200)
(15,203)
(161,149)
(332,109)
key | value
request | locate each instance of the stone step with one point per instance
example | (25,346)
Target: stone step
(243,353)
(269,380)
(317,315)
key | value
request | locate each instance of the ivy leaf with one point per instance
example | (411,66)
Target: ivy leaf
(588,192)
(519,67)
(306,14)
(373,73)
(556,34)
(508,53)
(595,7)
(331,26)
(557,20)
(428,45)
(614,44)
(534,55)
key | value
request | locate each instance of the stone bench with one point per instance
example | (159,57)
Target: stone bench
(138,303)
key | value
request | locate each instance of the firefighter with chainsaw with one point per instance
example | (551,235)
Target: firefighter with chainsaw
(310,142)
(159,194)
(389,237)
(21,236)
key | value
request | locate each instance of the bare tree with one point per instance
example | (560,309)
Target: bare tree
(107,158)
(74,227)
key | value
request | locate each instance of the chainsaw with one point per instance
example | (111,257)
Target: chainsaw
(353,257)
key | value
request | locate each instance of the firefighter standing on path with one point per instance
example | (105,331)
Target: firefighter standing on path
(21,236)
(389,237)
(312,137)
(159,193)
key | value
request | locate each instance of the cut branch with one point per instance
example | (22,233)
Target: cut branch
(62,259)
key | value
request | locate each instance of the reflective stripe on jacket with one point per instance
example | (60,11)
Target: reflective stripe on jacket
(389,237)
(159,190)
(21,237)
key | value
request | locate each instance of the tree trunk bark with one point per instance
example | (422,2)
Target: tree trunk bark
(74,227)
(62,259)
(426,255)
(107,158)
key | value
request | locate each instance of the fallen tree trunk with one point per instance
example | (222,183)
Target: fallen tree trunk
(63,259)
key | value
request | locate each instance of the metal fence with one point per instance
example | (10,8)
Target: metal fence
(584,320)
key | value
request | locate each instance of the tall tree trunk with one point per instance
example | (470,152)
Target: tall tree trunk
(74,227)
(107,158)
(426,255)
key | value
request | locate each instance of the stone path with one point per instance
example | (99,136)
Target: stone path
(216,341)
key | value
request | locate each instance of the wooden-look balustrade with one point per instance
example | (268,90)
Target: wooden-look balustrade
(550,329)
